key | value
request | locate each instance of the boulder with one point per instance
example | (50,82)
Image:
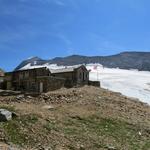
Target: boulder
(20,97)
(111,148)
(48,107)
(5,115)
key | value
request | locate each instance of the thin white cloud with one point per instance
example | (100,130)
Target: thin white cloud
(57,2)
(74,4)
(68,43)
(65,39)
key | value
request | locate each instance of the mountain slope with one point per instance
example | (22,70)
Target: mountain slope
(125,60)
(32,61)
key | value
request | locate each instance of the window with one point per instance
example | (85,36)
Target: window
(86,76)
(26,75)
(80,76)
(21,75)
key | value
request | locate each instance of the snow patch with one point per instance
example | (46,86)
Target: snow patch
(132,83)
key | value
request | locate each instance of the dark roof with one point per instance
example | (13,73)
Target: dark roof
(26,70)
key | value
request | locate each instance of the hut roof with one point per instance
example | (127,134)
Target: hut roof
(67,69)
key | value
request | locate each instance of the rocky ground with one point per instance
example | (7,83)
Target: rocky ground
(86,118)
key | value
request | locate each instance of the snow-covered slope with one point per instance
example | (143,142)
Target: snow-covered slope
(132,83)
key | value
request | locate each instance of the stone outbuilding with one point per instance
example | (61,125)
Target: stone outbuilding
(43,79)
(32,80)
(75,75)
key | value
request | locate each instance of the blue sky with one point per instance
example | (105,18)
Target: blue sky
(50,28)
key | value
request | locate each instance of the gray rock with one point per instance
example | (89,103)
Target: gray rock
(4,146)
(20,97)
(30,97)
(111,147)
(5,115)
(48,107)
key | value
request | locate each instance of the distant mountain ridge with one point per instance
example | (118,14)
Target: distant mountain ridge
(125,60)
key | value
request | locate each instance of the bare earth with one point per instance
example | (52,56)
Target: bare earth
(86,118)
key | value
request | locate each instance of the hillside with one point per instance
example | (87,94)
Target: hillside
(125,60)
(86,118)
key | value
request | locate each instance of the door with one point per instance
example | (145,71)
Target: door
(41,87)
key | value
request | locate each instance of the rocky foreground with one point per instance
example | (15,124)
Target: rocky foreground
(86,118)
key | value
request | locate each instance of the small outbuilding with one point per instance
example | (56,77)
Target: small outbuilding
(75,75)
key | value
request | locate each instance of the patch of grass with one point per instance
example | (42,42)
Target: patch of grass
(71,130)
(146,146)
(13,131)
(50,125)
(17,130)
(8,107)
(94,127)
(29,119)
